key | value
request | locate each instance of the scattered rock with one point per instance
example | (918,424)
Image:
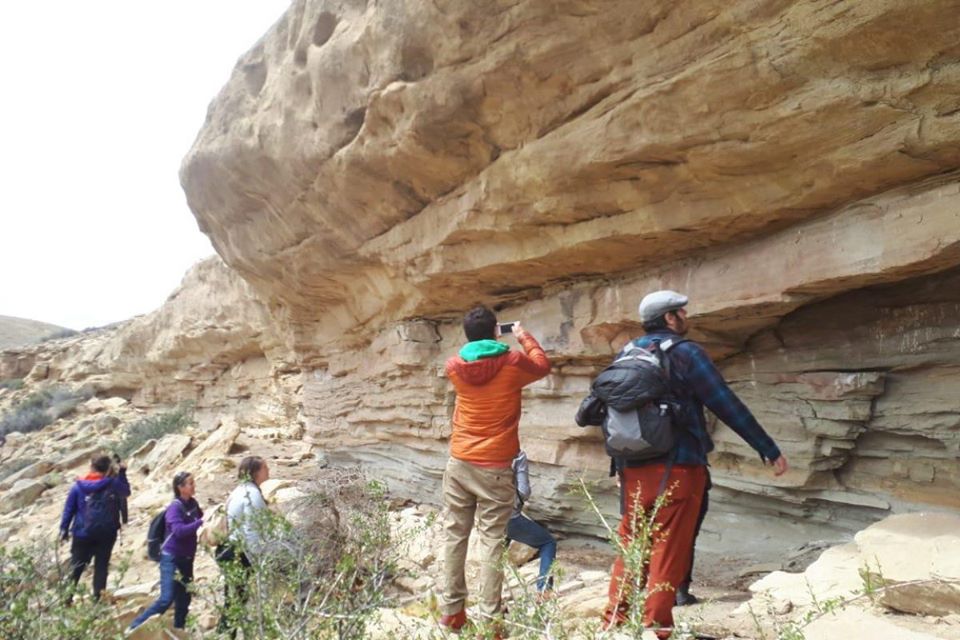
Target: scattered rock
(767,567)
(14,439)
(112,404)
(93,405)
(164,456)
(35,470)
(215,445)
(73,459)
(106,423)
(520,554)
(22,494)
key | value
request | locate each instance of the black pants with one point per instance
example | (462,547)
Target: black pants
(704,505)
(82,550)
(234,586)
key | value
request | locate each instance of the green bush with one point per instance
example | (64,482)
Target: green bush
(41,603)
(42,408)
(14,384)
(155,427)
(59,334)
(323,576)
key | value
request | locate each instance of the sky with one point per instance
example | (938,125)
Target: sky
(99,103)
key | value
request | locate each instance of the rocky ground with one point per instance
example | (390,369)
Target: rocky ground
(918,550)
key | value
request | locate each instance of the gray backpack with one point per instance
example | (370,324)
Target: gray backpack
(641,419)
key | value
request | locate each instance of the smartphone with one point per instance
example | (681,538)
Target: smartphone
(506,327)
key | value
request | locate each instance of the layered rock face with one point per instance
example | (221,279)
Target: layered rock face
(374,171)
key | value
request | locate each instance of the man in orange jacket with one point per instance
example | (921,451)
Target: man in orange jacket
(488,378)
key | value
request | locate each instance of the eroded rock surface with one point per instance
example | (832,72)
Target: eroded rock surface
(791,166)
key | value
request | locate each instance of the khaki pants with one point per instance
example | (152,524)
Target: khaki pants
(488,494)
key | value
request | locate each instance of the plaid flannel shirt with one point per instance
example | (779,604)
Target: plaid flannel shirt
(699,384)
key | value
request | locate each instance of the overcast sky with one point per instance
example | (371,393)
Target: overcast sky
(100,102)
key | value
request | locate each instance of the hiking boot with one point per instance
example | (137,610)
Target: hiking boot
(684,598)
(454,622)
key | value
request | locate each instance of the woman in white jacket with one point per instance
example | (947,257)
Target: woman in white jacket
(245,508)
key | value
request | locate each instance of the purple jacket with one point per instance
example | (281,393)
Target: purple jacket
(91,483)
(183,518)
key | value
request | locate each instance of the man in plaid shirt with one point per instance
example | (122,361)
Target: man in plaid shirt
(698,384)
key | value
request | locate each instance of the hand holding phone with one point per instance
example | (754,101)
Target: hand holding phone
(506,327)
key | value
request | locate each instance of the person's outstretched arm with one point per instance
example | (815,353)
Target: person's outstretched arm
(713,391)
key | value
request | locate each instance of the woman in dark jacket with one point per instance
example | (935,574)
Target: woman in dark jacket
(92,514)
(183,518)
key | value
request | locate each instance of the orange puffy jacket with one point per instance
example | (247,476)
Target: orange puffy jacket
(487,412)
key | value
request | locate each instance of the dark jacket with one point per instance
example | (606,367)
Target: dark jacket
(696,383)
(91,483)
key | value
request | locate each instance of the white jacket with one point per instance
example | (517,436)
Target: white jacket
(243,506)
(521,470)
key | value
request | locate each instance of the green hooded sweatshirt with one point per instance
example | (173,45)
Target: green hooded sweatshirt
(482,349)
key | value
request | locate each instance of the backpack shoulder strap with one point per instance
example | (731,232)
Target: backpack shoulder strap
(665,346)
(670,343)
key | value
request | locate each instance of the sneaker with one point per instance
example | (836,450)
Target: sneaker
(454,622)
(684,598)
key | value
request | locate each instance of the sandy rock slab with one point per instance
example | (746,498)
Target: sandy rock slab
(23,493)
(907,563)
(35,470)
(917,558)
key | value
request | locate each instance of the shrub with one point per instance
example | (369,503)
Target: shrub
(322,575)
(59,334)
(42,408)
(155,427)
(13,384)
(41,603)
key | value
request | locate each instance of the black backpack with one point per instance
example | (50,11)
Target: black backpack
(156,535)
(99,512)
(642,418)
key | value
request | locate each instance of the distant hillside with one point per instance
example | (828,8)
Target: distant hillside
(16,332)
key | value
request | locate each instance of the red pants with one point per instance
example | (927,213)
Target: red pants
(673,543)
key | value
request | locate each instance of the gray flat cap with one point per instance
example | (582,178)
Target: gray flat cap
(658,303)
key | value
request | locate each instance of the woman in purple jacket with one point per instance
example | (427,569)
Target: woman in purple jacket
(183,518)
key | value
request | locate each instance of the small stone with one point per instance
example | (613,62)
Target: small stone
(114,403)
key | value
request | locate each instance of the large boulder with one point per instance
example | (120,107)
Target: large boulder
(906,563)
(915,558)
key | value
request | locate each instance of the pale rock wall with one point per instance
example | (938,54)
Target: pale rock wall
(373,169)
(858,389)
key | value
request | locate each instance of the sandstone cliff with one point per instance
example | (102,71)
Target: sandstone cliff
(212,343)
(790,165)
